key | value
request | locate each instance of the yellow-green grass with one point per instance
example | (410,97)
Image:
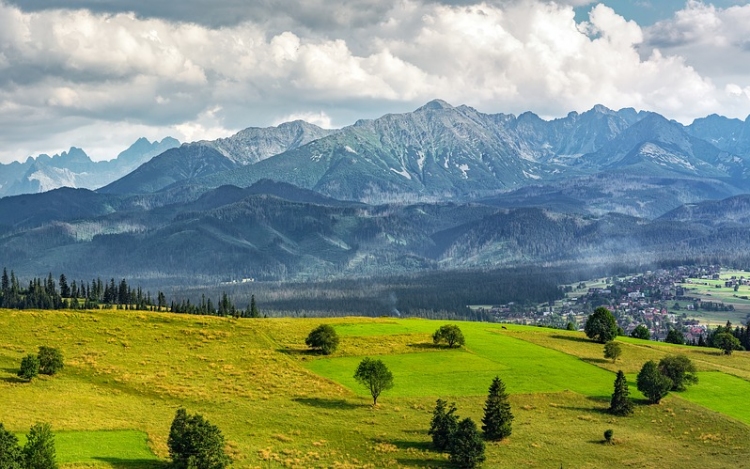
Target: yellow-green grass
(130,371)
(120,447)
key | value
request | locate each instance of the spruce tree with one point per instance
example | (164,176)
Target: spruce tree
(254,312)
(443,425)
(621,403)
(467,447)
(496,423)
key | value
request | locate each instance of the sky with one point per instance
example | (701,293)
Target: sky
(99,74)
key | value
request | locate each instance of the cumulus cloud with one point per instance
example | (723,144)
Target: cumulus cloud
(96,65)
(714,40)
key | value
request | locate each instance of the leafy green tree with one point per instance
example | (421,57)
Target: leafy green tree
(196,444)
(39,451)
(601,325)
(467,447)
(29,367)
(50,360)
(375,376)
(675,337)
(608,435)
(726,342)
(443,425)
(680,370)
(571,326)
(11,456)
(323,338)
(652,383)
(621,403)
(497,420)
(641,332)
(450,334)
(612,350)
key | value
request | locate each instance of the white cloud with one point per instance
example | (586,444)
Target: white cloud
(71,71)
(321,119)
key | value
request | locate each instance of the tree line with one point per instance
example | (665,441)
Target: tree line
(51,293)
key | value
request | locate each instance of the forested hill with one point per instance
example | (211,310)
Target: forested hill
(228,234)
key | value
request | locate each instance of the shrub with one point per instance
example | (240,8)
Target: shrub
(612,350)
(608,434)
(323,338)
(50,360)
(29,367)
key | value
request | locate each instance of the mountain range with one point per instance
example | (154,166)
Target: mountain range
(75,168)
(439,188)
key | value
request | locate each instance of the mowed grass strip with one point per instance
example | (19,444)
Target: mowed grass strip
(125,447)
(722,393)
(523,366)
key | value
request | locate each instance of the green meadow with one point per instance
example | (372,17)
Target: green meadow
(278,405)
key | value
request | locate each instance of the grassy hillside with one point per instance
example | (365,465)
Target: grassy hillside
(280,406)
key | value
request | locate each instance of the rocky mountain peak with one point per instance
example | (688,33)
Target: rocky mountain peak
(435,105)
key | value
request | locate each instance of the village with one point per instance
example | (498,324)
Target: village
(657,299)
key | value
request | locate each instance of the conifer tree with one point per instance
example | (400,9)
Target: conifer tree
(496,423)
(443,425)
(39,451)
(621,403)
(5,280)
(467,447)
(254,312)
(10,452)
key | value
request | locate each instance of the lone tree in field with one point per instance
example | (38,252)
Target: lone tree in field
(11,456)
(727,342)
(195,443)
(50,360)
(450,334)
(324,339)
(467,447)
(641,332)
(29,367)
(652,383)
(497,420)
(443,425)
(675,337)
(375,376)
(601,326)
(39,451)
(612,350)
(621,403)
(680,370)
